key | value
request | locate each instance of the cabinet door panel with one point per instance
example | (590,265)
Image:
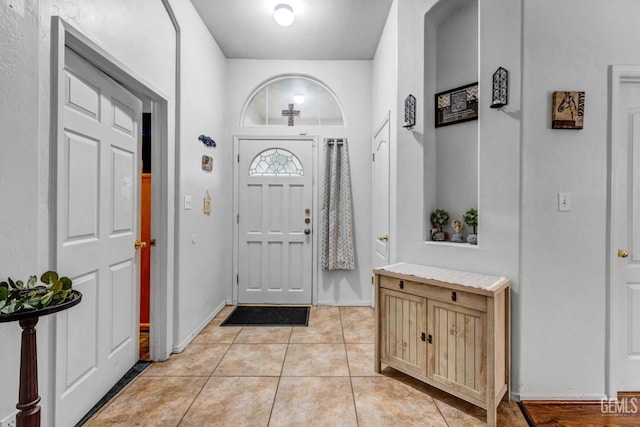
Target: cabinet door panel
(403,323)
(457,355)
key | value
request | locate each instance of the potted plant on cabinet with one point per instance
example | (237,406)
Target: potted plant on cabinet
(470,218)
(439,218)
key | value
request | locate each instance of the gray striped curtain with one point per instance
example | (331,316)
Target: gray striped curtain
(337,251)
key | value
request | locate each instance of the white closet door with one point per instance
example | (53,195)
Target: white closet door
(97,225)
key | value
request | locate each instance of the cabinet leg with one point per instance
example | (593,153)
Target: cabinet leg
(492,416)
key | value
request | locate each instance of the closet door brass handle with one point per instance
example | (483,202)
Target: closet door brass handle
(383,238)
(622,253)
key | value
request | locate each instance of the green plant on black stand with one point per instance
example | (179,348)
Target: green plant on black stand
(470,218)
(19,296)
(439,218)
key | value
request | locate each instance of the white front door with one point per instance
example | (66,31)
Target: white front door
(97,224)
(275,218)
(380,199)
(624,363)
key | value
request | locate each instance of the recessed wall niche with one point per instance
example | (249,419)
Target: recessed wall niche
(450,152)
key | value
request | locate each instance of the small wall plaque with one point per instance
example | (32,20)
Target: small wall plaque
(207,204)
(567,110)
(207,163)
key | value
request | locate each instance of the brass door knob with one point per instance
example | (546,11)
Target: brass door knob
(307,231)
(622,253)
(383,238)
(138,244)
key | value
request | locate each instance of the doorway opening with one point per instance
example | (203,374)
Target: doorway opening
(145,236)
(69,400)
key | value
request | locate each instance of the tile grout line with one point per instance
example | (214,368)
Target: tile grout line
(439,411)
(114,397)
(275,395)
(346,354)
(208,379)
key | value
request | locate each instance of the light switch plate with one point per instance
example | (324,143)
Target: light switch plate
(187,202)
(9,420)
(564,202)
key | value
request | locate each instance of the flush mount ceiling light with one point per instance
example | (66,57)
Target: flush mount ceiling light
(283,15)
(298,99)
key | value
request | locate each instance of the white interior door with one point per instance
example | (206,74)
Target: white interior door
(380,199)
(624,364)
(275,221)
(97,225)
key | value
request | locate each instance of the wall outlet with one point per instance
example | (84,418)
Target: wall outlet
(9,420)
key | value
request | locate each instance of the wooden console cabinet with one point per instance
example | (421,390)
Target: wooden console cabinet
(447,328)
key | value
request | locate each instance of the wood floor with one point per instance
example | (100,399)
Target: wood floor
(623,412)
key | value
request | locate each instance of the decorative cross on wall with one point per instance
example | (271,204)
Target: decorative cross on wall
(291,113)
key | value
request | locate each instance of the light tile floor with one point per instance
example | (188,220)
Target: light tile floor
(315,376)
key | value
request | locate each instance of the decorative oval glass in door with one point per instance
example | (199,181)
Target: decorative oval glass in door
(276,162)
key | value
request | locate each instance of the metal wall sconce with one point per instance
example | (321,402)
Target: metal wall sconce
(409,112)
(500,96)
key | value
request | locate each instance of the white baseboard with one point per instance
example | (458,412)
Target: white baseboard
(345,303)
(535,396)
(179,348)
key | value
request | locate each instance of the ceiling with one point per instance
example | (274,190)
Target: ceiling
(323,29)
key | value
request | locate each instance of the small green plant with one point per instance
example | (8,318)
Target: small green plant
(439,218)
(19,296)
(470,218)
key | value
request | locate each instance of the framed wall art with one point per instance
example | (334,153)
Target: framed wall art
(207,163)
(456,105)
(567,110)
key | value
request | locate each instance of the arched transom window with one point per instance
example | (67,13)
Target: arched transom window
(276,162)
(313,104)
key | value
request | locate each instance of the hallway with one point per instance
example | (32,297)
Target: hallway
(319,375)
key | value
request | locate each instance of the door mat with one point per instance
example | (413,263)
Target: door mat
(269,315)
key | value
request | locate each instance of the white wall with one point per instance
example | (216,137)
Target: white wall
(141,36)
(203,271)
(456,154)
(557,261)
(351,82)
(499,153)
(497,252)
(20,168)
(385,69)
(384,101)
(563,268)
(24,151)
